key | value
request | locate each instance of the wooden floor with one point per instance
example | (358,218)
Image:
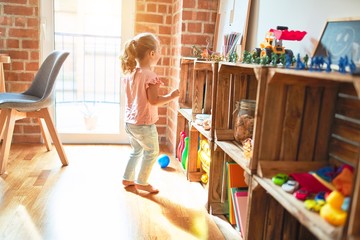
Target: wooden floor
(40,199)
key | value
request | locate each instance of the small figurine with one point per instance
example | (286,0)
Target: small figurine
(274,59)
(342,65)
(299,64)
(288,61)
(196,51)
(282,59)
(264,60)
(328,64)
(306,60)
(247,57)
(352,66)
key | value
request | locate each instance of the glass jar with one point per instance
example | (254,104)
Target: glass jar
(244,119)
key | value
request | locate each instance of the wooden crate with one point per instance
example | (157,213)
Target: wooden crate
(197,86)
(235,82)
(186,82)
(310,119)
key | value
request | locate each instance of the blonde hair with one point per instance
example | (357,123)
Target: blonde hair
(135,49)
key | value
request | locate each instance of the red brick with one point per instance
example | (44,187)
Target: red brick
(16,1)
(17,66)
(194,27)
(151,7)
(189,15)
(165,40)
(28,77)
(145,28)
(20,21)
(24,33)
(18,87)
(194,39)
(24,55)
(26,138)
(150,18)
(140,7)
(189,4)
(161,121)
(32,44)
(161,130)
(34,2)
(18,10)
(163,9)
(183,27)
(162,110)
(168,20)
(35,55)
(32,66)
(203,16)
(5,21)
(11,76)
(33,22)
(209,28)
(208,4)
(31,128)
(12,43)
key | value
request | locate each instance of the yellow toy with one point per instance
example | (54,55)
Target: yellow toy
(332,211)
(204,158)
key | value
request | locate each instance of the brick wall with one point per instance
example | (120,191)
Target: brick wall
(178,23)
(19,27)
(156,16)
(193,24)
(198,24)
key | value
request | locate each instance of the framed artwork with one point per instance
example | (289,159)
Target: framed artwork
(340,38)
(233,16)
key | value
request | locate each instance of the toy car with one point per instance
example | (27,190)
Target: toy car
(280,178)
(273,42)
(301,194)
(290,186)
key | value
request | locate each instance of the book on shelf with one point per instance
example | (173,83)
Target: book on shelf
(240,196)
(235,179)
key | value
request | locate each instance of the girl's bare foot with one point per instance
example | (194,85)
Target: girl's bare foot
(127,183)
(147,188)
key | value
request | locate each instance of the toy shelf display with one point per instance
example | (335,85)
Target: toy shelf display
(303,120)
(197,86)
(310,119)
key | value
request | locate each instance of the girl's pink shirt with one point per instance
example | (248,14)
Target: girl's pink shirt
(138,109)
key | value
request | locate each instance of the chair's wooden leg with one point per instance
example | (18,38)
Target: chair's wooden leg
(53,133)
(2,122)
(44,133)
(8,133)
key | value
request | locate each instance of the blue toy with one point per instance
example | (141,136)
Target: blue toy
(163,160)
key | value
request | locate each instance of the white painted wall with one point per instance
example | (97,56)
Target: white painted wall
(304,15)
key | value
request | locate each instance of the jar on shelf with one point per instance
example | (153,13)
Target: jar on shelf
(244,119)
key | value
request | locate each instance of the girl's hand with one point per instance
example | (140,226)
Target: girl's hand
(175,93)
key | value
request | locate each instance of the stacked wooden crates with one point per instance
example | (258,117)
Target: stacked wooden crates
(303,120)
(197,84)
(310,119)
(235,82)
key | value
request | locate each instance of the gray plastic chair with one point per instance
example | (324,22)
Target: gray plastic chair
(33,103)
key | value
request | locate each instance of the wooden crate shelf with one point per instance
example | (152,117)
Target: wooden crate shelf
(186,113)
(235,151)
(310,119)
(303,120)
(235,82)
(313,221)
(197,86)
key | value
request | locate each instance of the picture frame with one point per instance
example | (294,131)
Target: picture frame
(233,16)
(340,38)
